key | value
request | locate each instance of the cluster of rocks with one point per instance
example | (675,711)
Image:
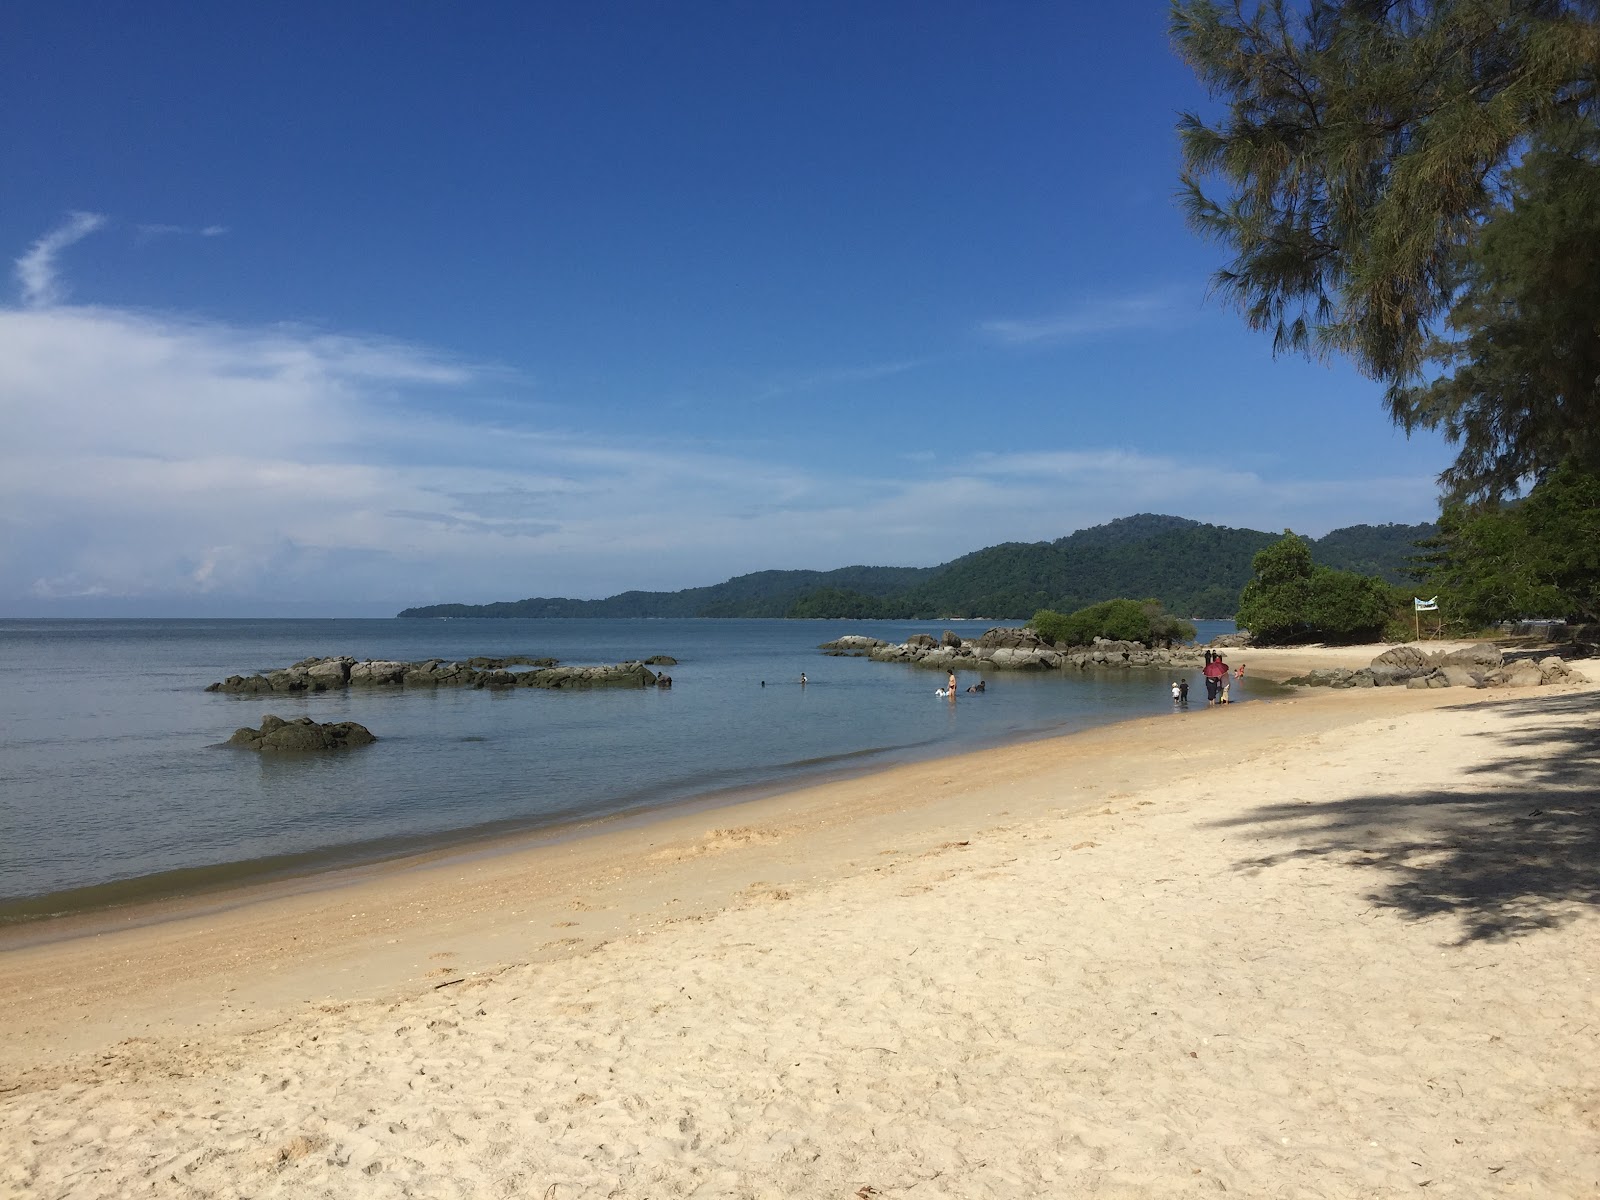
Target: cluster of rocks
(302,733)
(1474,666)
(329,674)
(1010,649)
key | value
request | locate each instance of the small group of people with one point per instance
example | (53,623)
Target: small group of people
(1218,677)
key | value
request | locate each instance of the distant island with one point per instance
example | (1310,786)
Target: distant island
(1193,568)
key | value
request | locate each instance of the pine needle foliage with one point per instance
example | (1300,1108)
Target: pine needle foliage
(1365,149)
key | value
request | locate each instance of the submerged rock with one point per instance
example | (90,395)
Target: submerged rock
(302,733)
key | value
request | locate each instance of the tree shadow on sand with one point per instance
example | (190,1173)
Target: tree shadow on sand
(1517,854)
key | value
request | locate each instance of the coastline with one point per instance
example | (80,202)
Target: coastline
(1107,962)
(140,899)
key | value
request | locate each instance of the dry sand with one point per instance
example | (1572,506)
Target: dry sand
(1340,945)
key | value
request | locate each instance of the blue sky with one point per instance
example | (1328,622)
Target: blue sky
(335,309)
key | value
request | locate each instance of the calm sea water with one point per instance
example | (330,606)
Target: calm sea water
(112,785)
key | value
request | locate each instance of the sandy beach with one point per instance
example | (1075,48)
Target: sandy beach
(1341,944)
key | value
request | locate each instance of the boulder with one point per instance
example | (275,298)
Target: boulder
(302,733)
(1225,640)
(1403,657)
(925,640)
(1458,676)
(1481,658)
(852,642)
(376,672)
(1009,639)
(950,640)
(1521,674)
(328,673)
(1554,669)
(659,660)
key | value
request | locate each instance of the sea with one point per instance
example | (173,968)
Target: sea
(115,788)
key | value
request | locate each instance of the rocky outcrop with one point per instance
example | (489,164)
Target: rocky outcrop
(302,733)
(1231,641)
(328,674)
(1011,650)
(1473,666)
(852,645)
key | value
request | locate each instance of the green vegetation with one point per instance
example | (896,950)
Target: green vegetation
(1290,599)
(1120,620)
(1382,165)
(1189,567)
(1538,557)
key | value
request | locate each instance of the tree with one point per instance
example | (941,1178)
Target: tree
(1120,620)
(1292,600)
(1367,149)
(1520,390)
(1539,557)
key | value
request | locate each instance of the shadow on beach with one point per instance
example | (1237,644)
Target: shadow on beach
(1518,854)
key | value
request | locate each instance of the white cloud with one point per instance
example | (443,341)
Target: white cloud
(1089,318)
(36,269)
(163,458)
(152,456)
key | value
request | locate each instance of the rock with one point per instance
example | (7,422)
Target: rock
(1458,676)
(853,641)
(1421,681)
(1482,658)
(329,673)
(950,640)
(661,660)
(1554,669)
(302,733)
(1402,656)
(1226,640)
(925,640)
(1009,639)
(377,672)
(1521,674)
(1018,658)
(629,674)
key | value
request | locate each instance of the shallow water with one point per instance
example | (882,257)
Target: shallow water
(112,785)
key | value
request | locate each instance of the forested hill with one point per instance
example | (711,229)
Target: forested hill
(1193,568)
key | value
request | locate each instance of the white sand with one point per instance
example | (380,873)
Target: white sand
(1339,946)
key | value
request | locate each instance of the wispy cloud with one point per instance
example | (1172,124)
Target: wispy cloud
(36,269)
(162,230)
(1089,318)
(833,377)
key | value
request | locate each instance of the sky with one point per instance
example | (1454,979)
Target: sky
(337,309)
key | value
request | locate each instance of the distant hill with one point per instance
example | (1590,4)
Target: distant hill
(1193,568)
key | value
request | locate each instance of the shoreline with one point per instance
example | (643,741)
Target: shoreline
(93,908)
(149,899)
(293,931)
(1341,943)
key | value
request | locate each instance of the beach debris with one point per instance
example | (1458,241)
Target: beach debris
(302,733)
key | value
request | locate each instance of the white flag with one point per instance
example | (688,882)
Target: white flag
(1425,605)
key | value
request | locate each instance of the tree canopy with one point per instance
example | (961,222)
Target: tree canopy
(1539,557)
(1368,149)
(1290,599)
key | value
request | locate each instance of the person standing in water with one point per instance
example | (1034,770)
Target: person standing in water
(802,679)
(951,682)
